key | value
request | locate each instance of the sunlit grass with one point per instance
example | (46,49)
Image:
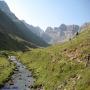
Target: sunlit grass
(6,68)
(61,66)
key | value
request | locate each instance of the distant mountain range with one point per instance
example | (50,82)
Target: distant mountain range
(62,33)
(56,34)
(17,34)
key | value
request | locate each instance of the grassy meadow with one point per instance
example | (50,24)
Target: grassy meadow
(62,66)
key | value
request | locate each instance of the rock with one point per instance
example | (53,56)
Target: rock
(20,78)
(29,76)
(29,86)
(65,82)
(18,66)
(65,50)
(16,69)
(20,75)
(11,82)
(79,77)
(60,87)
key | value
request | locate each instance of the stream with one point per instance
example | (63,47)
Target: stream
(21,79)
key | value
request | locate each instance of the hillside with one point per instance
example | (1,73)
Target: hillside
(14,35)
(8,39)
(9,43)
(62,67)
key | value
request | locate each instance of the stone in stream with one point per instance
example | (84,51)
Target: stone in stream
(20,72)
(16,69)
(25,85)
(11,82)
(20,78)
(15,72)
(29,76)
(20,75)
(22,66)
(29,87)
(18,66)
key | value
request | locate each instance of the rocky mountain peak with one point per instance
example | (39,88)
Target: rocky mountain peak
(61,33)
(63,27)
(49,29)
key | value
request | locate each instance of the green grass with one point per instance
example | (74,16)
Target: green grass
(62,66)
(6,68)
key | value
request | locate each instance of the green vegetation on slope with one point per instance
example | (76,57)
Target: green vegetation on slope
(13,44)
(6,69)
(15,35)
(62,67)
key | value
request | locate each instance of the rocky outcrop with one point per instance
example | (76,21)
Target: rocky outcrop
(61,33)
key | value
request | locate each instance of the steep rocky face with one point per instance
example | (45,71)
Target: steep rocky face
(63,27)
(73,28)
(61,33)
(52,34)
(49,29)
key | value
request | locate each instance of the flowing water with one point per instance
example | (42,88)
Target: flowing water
(21,79)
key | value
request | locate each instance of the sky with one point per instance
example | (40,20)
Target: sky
(44,13)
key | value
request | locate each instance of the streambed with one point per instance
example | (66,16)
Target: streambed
(21,79)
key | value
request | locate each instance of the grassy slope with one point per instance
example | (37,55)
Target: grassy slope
(6,68)
(64,66)
(19,30)
(9,43)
